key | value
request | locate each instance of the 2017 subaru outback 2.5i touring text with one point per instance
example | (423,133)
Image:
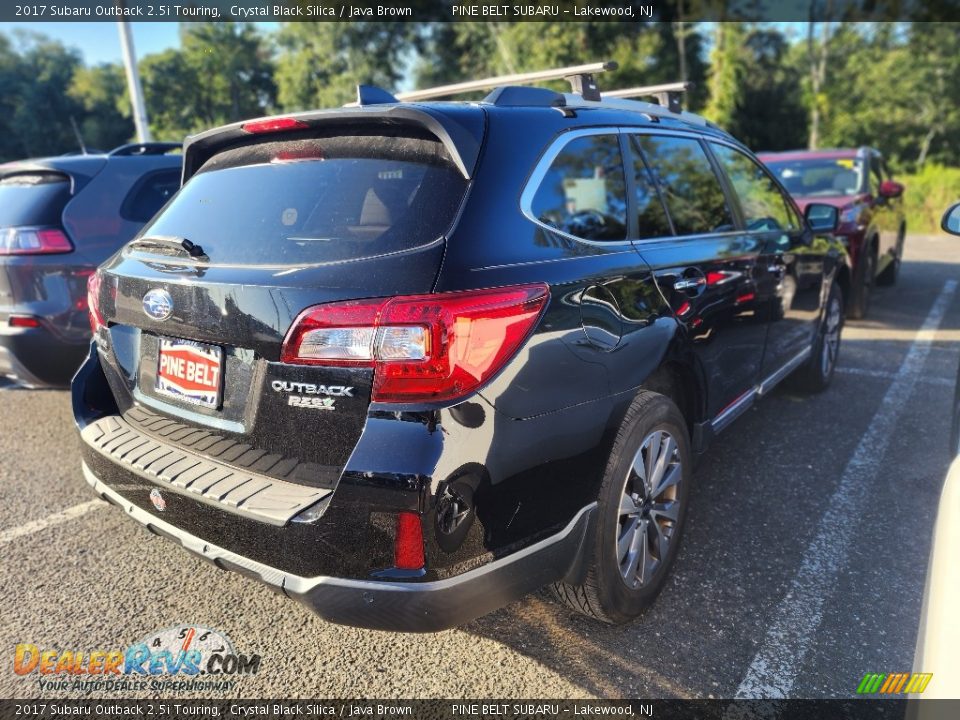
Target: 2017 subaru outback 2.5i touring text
(408,362)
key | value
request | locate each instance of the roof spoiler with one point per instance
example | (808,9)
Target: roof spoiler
(461,140)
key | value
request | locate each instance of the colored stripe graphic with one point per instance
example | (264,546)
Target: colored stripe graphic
(893,683)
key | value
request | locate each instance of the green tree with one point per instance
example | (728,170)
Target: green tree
(320,64)
(102,93)
(222,73)
(646,53)
(35,78)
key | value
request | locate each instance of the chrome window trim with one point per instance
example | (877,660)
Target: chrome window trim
(561,141)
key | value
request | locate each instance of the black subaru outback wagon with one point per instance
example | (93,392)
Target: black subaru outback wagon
(406,362)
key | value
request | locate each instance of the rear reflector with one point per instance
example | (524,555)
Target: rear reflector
(33,241)
(24,321)
(273,125)
(422,348)
(93,302)
(408,543)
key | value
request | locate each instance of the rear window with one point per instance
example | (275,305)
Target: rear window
(322,199)
(33,199)
(820,177)
(150,194)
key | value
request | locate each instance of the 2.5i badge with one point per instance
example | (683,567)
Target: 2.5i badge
(313,403)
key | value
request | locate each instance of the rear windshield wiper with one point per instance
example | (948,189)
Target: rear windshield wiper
(173,243)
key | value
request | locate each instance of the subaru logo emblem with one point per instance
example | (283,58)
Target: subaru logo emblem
(158,304)
(157,499)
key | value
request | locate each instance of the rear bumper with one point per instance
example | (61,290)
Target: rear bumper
(36,357)
(395,606)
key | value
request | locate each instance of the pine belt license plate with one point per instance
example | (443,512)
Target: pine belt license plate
(191,372)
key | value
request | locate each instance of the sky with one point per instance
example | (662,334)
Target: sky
(100,41)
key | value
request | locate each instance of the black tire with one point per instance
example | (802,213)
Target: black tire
(892,271)
(862,285)
(816,374)
(607,594)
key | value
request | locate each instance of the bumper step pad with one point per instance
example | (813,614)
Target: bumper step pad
(249,494)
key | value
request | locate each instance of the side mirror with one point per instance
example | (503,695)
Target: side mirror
(891,189)
(951,220)
(822,218)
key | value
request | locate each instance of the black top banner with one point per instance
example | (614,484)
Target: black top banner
(482,11)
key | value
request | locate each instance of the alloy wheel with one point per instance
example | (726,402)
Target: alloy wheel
(649,508)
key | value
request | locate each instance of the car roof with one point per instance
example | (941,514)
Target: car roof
(458,124)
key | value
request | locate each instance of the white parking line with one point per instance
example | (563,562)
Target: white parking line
(794,622)
(50,520)
(888,375)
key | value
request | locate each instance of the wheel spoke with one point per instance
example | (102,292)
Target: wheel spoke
(627,505)
(643,560)
(664,455)
(669,479)
(661,540)
(626,538)
(669,510)
(652,445)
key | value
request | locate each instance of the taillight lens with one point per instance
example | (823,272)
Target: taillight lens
(422,347)
(93,302)
(33,241)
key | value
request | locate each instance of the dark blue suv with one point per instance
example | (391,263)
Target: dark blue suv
(60,217)
(406,362)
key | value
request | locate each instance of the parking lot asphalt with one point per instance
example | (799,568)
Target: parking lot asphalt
(802,567)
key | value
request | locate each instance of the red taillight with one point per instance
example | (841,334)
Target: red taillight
(24,321)
(273,125)
(33,241)
(408,543)
(422,347)
(93,302)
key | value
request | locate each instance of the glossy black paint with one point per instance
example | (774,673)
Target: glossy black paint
(526,452)
(53,288)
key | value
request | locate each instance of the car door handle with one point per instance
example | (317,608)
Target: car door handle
(688,284)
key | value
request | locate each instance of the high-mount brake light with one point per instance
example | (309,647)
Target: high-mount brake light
(422,348)
(93,302)
(33,241)
(273,125)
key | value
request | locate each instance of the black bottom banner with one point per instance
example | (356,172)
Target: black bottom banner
(488,709)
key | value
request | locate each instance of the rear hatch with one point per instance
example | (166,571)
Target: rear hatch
(196,309)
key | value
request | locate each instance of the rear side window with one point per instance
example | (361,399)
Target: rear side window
(149,194)
(584,192)
(323,199)
(33,199)
(687,183)
(763,204)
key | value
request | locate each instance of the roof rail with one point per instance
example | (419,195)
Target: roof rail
(580,77)
(667,94)
(148,148)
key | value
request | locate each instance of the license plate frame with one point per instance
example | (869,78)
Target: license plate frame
(190,372)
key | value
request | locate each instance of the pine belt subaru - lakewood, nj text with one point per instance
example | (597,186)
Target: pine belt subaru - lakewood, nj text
(408,361)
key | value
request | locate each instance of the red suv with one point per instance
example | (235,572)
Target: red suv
(872,223)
